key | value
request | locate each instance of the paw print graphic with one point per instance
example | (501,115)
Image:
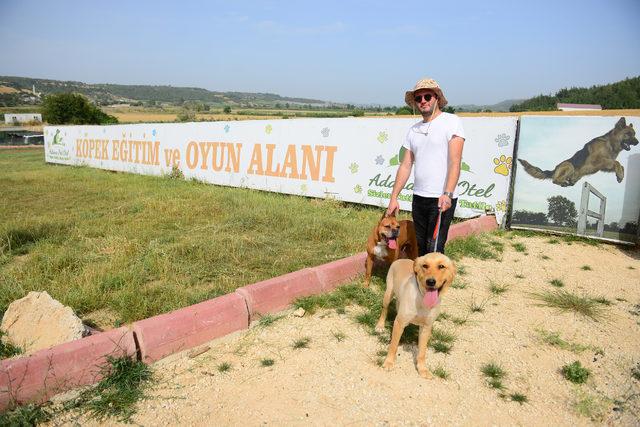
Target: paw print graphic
(502,140)
(357,189)
(268,129)
(379,160)
(303,188)
(353,167)
(325,132)
(503,165)
(382,137)
(227,128)
(501,206)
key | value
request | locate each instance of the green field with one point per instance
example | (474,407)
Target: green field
(133,246)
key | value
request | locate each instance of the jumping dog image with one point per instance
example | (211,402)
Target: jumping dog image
(599,154)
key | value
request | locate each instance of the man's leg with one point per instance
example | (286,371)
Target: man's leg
(445,222)
(425,214)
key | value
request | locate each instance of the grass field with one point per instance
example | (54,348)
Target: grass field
(135,246)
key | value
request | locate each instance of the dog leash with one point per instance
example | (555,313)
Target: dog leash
(436,231)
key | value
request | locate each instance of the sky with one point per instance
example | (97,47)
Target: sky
(350,51)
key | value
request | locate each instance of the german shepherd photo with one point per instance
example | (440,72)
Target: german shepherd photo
(597,155)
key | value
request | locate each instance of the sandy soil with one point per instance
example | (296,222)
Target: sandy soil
(337,380)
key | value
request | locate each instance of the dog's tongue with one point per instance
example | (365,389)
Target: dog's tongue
(430,298)
(392,244)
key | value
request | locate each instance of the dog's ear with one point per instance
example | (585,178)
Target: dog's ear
(416,265)
(621,123)
(392,214)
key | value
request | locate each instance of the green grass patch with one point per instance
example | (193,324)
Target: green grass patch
(477,307)
(575,372)
(459,283)
(478,246)
(339,336)
(267,362)
(224,367)
(144,245)
(7,349)
(553,241)
(557,283)
(519,397)
(553,339)
(462,270)
(494,374)
(117,394)
(519,276)
(585,268)
(440,372)
(569,302)
(635,372)
(497,289)
(301,343)
(519,247)
(27,415)
(269,319)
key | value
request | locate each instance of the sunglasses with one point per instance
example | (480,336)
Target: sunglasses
(427,97)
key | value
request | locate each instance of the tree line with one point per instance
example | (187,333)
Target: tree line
(624,94)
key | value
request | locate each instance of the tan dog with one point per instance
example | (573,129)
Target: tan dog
(597,155)
(390,240)
(418,287)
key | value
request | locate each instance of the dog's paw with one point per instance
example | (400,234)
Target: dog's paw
(388,364)
(425,373)
(380,328)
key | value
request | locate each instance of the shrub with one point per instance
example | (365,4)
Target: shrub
(575,372)
(73,108)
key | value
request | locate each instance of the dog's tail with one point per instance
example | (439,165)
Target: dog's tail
(535,171)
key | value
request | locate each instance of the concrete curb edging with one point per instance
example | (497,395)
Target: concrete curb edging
(188,327)
(66,366)
(37,377)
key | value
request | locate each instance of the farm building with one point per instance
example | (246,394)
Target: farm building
(22,118)
(578,107)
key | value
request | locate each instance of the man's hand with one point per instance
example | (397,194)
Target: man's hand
(444,202)
(393,207)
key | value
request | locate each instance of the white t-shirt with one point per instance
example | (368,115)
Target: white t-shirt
(429,143)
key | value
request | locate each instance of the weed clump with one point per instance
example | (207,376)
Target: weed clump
(575,372)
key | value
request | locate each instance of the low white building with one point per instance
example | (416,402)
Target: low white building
(578,107)
(12,118)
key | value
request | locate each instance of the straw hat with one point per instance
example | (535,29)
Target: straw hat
(426,84)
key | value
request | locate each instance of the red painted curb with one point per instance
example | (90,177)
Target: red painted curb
(37,377)
(334,273)
(273,295)
(169,333)
(472,226)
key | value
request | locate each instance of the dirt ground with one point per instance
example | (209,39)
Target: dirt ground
(337,379)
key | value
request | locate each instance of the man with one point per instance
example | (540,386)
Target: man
(435,146)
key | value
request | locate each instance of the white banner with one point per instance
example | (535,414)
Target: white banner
(349,159)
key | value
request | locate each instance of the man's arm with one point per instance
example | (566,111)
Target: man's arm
(402,175)
(453,171)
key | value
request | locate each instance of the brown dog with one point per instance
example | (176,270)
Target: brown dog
(597,155)
(389,240)
(418,287)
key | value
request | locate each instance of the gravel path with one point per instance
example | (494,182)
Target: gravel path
(337,380)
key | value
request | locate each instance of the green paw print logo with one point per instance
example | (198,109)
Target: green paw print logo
(503,165)
(465,167)
(268,129)
(501,206)
(357,189)
(382,137)
(397,159)
(353,167)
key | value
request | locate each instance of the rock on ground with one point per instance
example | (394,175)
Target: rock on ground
(38,321)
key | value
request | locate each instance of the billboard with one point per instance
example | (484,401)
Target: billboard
(353,160)
(578,175)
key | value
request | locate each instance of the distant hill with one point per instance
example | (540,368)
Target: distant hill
(500,106)
(620,95)
(19,90)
